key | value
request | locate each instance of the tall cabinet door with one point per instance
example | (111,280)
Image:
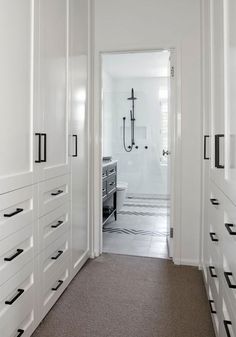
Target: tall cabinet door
(16,99)
(217,92)
(79,129)
(52,59)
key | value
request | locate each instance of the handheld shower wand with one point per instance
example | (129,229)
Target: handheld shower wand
(132,120)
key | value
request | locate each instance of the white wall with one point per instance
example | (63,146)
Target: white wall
(149,24)
(140,165)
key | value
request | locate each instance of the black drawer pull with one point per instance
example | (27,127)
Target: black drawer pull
(58,255)
(58,286)
(217,151)
(44,160)
(205,147)
(76,146)
(214,201)
(211,269)
(39,148)
(57,193)
(111,171)
(19,293)
(58,224)
(20,332)
(18,252)
(17,211)
(226,323)
(211,308)
(111,184)
(228,227)
(213,238)
(227,277)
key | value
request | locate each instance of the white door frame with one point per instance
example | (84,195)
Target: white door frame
(96,155)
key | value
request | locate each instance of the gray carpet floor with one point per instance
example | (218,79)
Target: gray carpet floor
(126,296)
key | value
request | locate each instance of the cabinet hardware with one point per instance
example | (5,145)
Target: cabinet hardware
(111,184)
(211,269)
(214,202)
(17,211)
(226,324)
(44,160)
(228,227)
(20,332)
(227,277)
(111,171)
(213,238)
(76,146)
(59,223)
(217,151)
(58,255)
(205,147)
(57,193)
(58,286)
(39,148)
(18,252)
(19,293)
(211,308)
(165,153)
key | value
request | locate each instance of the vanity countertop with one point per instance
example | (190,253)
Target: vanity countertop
(107,163)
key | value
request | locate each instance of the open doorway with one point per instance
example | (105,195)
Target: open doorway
(136,150)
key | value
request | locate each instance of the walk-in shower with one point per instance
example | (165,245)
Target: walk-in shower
(132,120)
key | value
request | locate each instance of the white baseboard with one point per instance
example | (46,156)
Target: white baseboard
(186,262)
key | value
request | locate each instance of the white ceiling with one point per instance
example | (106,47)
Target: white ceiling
(143,64)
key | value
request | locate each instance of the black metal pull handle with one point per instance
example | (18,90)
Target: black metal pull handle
(76,146)
(17,211)
(217,151)
(205,147)
(58,286)
(211,269)
(228,227)
(213,237)
(57,193)
(214,201)
(18,252)
(111,184)
(59,223)
(112,171)
(228,280)
(58,255)
(44,136)
(20,332)
(211,308)
(39,148)
(19,293)
(226,325)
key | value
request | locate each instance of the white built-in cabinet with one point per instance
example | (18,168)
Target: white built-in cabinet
(219,165)
(44,234)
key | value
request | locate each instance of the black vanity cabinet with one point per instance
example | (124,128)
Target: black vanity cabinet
(109,191)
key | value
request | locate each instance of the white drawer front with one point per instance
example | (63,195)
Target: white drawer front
(17,210)
(17,304)
(228,322)
(53,225)
(53,193)
(215,309)
(15,252)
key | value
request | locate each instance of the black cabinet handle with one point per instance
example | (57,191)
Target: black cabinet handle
(17,211)
(20,332)
(205,147)
(217,151)
(39,148)
(226,324)
(58,286)
(227,277)
(211,308)
(44,135)
(57,193)
(214,202)
(213,238)
(111,184)
(58,255)
(76,146)
(59,223)
(111,171)
(211,269)
(18,252)
(228,227)
(19,293)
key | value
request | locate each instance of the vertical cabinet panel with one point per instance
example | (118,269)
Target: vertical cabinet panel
(16,112)
(79,129)
(52,86)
